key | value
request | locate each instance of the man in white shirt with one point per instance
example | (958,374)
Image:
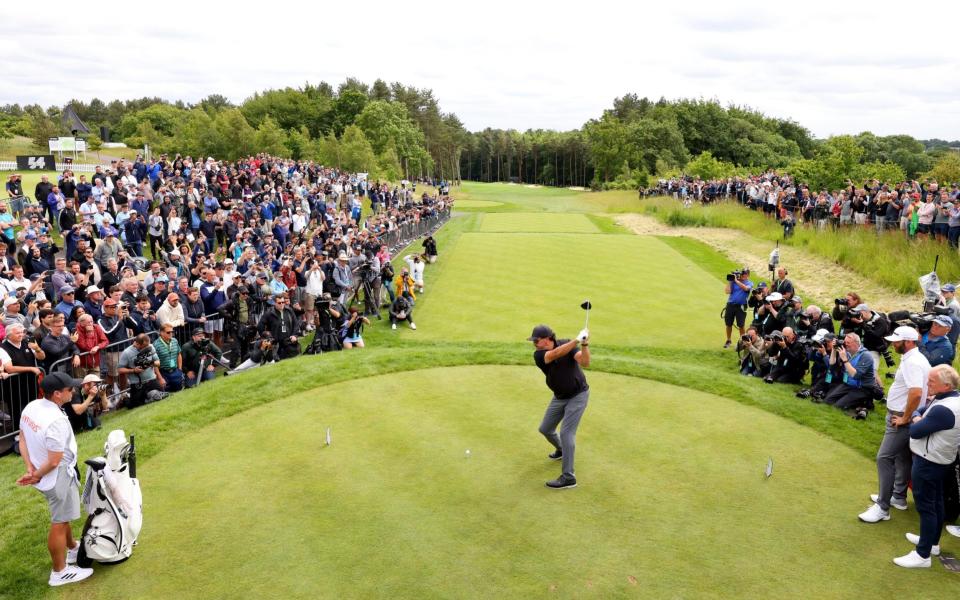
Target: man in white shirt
(49,451)
(893,458)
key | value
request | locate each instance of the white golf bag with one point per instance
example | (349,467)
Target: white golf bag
(113,501)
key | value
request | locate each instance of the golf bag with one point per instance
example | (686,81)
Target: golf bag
(114,504)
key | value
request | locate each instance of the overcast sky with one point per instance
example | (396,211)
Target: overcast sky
(835,67)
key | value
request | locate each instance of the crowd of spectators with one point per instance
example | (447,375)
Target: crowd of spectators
(245,260)
(924,209)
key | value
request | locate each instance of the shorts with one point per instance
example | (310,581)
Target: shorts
(923,227)
(213,325)
(309,301)
(109,363)
(64,497)
(941,228)
(353,340)
(734,312)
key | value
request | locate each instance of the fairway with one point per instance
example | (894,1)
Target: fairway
(476,204)
(536,223)
(496,287)
(256,506)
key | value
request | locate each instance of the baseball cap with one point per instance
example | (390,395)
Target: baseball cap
(949,288)
(342,256)
(109,302)
(797,300)
(161,279)
(92,289)
(91,378)
(861,308)
(903,333)
(173,253)
(745,269)
(820,335)
(540,331)
(10,300)
(198,331)
(57,381)
(762,285)
(66,290)
(30,236)
(774,296)
(944,321)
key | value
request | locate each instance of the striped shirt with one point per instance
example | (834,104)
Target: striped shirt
(167,352)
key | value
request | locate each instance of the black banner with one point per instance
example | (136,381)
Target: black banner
(36,163)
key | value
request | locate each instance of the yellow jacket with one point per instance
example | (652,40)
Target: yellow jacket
(404,283)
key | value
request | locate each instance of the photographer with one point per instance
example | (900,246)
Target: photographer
(948,295)
(771,314)
(401,310)
(756,299)
(737,288)
(352,330)
(756,362)
(813,320)
(935,345)
(264,351)
(788,358)
(141,365)
(88,403)
(386,276)
(199,350)
(824,374)
(872,327)
(857,386)
(841,308)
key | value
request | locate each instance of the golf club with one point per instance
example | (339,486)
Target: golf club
(586,306)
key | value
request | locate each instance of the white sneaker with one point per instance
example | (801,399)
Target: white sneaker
(71,574)
(897,504)
(912,561)
(72,554)
(393,326)
(874,514)
(915,539)
(413,325)
(953,530)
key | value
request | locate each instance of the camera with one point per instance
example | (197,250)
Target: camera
(734,275)
(840,301)
(143,360)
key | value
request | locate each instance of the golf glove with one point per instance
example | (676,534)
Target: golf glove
(584,335)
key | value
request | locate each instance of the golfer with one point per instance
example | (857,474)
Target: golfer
(561,362)
(49,450)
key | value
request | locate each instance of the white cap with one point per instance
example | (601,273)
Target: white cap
(774,296)
(91,378)
(903,334)
(92,289)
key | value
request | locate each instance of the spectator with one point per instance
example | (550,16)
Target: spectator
(282,324)
(58,345)
(934,435)
(352,331)
(91,341)
(170,357)
(88,403)
(893,458)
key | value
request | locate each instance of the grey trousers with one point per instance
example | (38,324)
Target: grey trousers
(893,464)
(569,411)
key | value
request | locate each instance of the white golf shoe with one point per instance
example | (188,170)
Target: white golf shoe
(874,514)
(915,539)
(71,574)
(413,325)
(912,561)
(953,530)
(72,554)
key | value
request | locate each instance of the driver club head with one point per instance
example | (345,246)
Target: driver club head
(586,305)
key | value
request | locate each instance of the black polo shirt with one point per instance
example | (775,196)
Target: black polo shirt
(565,378)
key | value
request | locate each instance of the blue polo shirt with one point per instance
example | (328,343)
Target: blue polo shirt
(739,295)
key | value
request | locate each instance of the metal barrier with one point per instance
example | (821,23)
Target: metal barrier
(16,391)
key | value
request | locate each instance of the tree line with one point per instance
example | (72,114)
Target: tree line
(394,130)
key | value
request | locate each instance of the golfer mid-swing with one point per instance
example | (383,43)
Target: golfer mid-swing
(560,361)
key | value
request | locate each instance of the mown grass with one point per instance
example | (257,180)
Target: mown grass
(451,526)
(890,258)
(23,146)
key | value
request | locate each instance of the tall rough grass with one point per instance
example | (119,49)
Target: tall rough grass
(890,258)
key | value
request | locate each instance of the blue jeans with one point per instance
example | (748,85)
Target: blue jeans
(174,380)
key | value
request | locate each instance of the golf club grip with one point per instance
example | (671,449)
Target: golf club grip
(132,457)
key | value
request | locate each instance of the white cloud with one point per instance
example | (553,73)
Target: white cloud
(833,67)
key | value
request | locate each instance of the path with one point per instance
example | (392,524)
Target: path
(814,277)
